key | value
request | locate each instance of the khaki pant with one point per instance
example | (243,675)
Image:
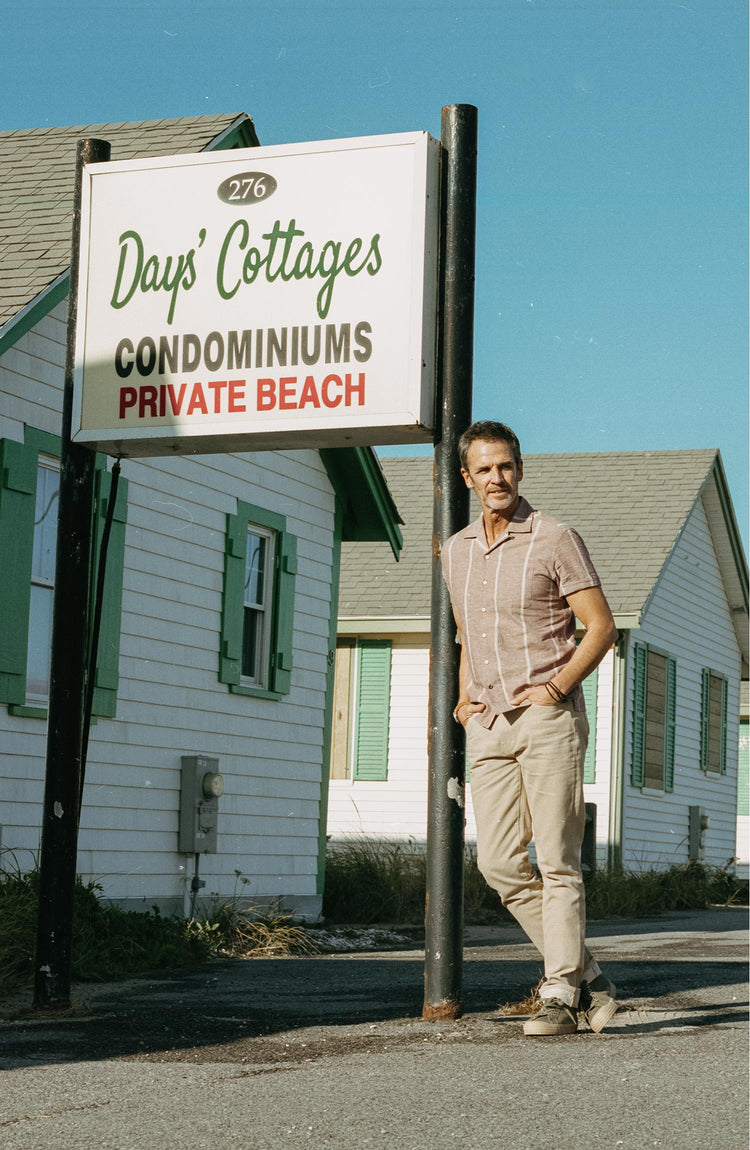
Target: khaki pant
(527,781)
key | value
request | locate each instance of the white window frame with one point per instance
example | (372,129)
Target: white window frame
(45,463)
(263,608)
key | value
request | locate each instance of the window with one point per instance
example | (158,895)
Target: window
(42,581)
(362,702)
(257,627)
(257,606)
(654,697)
(713,722)
(29,481)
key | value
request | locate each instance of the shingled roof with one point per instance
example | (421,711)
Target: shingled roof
(630,508)
(37,176)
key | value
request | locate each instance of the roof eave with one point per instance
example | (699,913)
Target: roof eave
(34,311)
(240,134)
(422,624)
(729,552)
(369,512)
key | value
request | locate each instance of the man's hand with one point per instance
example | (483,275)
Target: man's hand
(539,695)
(464,711)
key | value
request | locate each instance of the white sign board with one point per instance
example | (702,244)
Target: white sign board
(259,298)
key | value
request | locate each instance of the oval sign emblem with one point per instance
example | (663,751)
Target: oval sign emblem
(247,188)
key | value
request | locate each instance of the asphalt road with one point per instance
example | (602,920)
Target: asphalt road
(331,1051)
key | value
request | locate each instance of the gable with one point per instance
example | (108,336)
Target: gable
(630,508)
(37,176)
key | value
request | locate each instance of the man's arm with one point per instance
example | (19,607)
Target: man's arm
(464,707)
(592,609)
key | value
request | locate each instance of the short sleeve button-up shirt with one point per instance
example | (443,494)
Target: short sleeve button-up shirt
(510,604)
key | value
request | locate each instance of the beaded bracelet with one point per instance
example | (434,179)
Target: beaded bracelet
(554,692)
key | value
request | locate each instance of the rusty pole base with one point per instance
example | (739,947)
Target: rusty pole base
(444,1011)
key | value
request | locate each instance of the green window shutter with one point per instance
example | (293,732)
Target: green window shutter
(373,710)
(282,623)
(705,698)
(743,770)
(18,479)
(590,686)
(669,724)
(724,716)
(107,675)
(639,715)
(18,464)
(282,641)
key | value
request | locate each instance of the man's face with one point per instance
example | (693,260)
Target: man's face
(493,474)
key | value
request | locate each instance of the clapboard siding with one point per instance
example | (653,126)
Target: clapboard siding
(689,619)
(170,701)
(599,792)
(397,807)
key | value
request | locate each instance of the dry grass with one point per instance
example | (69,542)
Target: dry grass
(246,932)
(528,1005)
(371,880)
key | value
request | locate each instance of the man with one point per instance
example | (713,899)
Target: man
(517,581)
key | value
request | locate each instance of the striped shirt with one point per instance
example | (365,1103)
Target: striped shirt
(510,606)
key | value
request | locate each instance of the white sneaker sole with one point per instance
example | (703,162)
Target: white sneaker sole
(598,1019)
(542,1030)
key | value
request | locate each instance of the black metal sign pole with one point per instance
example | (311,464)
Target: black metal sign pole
(68,669)
(445,818)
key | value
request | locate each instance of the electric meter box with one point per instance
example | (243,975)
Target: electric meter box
(202,787)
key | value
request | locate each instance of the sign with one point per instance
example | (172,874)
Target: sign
(258,298)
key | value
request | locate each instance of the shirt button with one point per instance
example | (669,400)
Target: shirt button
(484,608)
(486,662)
(484,634)
(484,582)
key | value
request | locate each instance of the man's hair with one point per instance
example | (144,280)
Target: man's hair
(492,431)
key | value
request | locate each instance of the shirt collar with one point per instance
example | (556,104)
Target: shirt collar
(520,524)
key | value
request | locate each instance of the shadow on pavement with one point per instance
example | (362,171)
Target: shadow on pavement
(231,1001)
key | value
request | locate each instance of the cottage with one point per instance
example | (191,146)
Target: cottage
(220,599)
(663,706)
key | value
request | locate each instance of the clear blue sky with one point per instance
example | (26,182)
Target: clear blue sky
(612,301)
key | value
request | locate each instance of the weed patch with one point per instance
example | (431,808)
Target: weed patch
(626,894)
(230,930)
(371,880)
(375,881)
(110,943)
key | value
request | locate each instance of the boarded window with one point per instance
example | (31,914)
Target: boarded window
(713,722)
(654,701)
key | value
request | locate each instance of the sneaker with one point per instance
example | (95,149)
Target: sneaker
(554,1017)
(597,1002)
